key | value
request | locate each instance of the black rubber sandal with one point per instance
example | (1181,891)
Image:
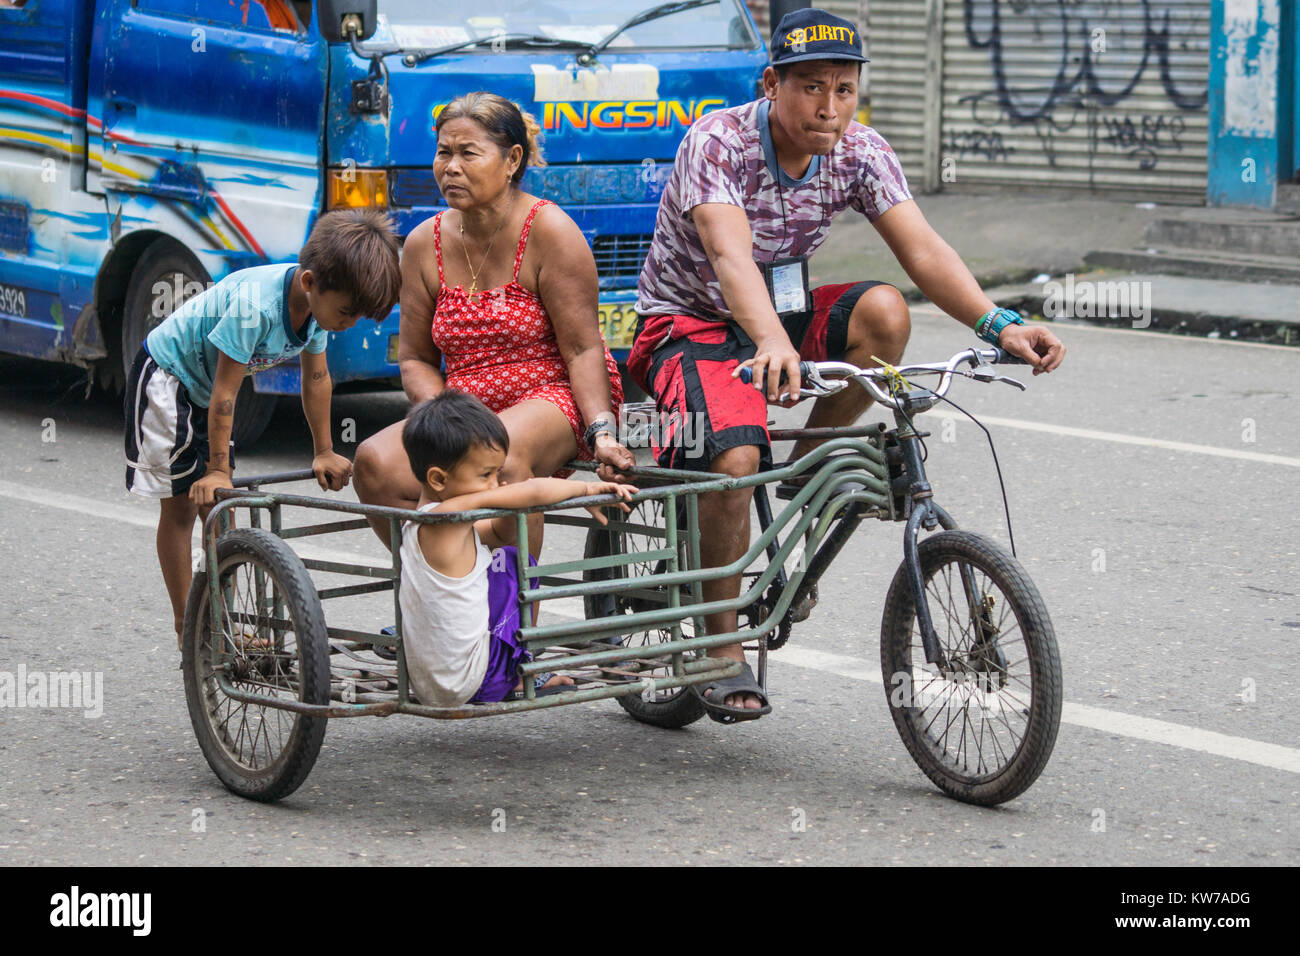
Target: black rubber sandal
(720,690)
(383,651)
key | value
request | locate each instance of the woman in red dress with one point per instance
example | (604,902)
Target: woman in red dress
(503,287)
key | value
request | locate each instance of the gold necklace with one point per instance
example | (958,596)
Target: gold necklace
(473,273)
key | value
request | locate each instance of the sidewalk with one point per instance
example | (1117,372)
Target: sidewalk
(1008,238)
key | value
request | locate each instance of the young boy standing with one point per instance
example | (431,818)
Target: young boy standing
(180,395)
(459,607)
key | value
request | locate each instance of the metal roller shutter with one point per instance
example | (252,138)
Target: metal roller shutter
(896,46)
(848,9)
(1109,94)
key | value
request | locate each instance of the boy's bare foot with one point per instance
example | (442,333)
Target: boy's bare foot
(552,685)
(557,680)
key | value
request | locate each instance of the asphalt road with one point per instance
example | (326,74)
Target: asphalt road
(1169,565)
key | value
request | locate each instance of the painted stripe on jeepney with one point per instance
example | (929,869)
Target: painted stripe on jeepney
(243,231)
(96,156)
(72,149)
(48,104)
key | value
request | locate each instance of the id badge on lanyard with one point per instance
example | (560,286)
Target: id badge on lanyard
(787,284)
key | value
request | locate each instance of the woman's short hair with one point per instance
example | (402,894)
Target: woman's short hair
(503,121)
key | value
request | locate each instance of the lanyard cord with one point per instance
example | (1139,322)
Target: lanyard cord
(780,191)
(785,221)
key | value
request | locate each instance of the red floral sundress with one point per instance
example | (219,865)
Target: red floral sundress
(501,347)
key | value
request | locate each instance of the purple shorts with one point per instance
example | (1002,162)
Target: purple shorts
(505,653)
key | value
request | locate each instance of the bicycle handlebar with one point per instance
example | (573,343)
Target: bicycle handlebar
(869,377)
(805,370)
(875,380)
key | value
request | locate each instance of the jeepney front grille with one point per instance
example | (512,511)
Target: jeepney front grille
(619,258)
(13,227)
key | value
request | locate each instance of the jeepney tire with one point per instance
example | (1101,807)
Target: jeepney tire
(285,773)
(1034,650)
(161,261)
(673,710)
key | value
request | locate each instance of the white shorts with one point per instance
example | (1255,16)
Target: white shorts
(166,433)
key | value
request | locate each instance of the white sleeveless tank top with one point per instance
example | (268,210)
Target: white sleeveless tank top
(444,623)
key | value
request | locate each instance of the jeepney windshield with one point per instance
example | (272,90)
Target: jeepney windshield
(418,24)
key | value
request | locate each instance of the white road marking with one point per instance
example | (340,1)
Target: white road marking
(1081,715)
(1257,752)
(146,516)
(1122,439)
(141,515)
(1180,735)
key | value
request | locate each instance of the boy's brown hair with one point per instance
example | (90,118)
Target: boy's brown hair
(354,251)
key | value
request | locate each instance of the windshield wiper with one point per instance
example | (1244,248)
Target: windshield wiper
(508,39)
(645,16)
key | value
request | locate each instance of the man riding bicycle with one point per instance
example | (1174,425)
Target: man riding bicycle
(725,285)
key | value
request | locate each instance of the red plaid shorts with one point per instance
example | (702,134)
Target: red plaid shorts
(685,363)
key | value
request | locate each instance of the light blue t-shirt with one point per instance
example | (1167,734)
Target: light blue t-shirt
(246,316)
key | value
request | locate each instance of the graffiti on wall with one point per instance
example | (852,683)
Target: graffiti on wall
(1098,52)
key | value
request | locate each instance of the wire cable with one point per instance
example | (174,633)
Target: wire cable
(1006,508)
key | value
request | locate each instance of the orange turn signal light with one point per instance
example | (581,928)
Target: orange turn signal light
(348,187)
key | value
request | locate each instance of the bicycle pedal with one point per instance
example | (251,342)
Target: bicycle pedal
(786,491)
(803,609)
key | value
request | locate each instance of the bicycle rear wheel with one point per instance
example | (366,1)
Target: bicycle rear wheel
(983,727)
(672,707)
(273,643)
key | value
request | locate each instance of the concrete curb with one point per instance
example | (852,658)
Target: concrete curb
(1172,321)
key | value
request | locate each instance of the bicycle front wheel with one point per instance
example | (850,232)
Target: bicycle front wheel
(982,726)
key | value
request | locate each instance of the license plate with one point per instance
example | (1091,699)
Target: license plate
(618,322)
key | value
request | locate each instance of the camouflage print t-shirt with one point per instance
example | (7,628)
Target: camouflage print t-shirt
(722,159)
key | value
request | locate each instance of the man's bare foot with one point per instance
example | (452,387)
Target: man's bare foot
(744,699)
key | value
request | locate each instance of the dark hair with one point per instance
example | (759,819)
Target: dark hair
(503,121)
(438,433)
(354,251)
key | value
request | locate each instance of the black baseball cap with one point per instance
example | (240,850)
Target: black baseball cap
(813,34)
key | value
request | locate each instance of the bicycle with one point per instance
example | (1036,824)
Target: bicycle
(966,641)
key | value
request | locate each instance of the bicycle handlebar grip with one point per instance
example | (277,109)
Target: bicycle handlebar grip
(805,369)
(1006,358)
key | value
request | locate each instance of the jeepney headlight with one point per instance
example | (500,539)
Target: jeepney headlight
(347,187)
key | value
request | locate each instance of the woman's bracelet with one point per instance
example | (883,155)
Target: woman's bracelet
(598,427)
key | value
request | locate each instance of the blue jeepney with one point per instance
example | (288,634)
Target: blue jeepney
(148,147)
